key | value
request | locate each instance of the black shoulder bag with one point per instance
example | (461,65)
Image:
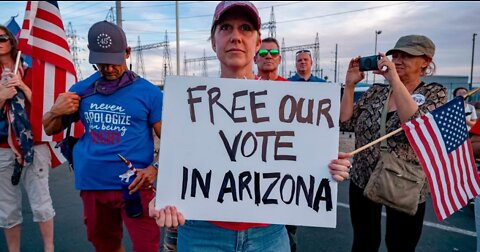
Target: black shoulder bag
(67,144)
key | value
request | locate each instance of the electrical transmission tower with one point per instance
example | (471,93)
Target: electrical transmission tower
(139,50)
(110,15)
(283,69)
(72,43)
(315,55)
(203,59)
(271,25)
(204,66)
(167,64)
(140,68)
(185,70)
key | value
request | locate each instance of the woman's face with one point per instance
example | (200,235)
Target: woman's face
(235,42)
(461,92)
(408,65)
(5,46)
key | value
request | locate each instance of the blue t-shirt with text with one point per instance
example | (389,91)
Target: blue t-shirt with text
(120,123)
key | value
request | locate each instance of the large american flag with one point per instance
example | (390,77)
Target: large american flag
(43,38)
(440,140)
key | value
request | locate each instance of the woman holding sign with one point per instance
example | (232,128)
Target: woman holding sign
(235,37)
(405,98)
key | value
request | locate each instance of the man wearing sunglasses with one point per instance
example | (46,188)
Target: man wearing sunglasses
(303,63)
(267,59)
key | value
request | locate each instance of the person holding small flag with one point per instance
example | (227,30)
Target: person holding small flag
(475,137)
(23,157)
(120,111)
(470,111)
(406,97)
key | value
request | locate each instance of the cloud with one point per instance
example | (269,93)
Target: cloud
(351,25)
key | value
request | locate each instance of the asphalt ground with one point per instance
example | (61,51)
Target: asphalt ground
(456,233)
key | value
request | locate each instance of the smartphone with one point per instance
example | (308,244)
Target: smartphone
(369,63)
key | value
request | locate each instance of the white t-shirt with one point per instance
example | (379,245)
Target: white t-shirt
(471,113)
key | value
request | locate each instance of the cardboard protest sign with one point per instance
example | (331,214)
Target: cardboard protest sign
(249,151)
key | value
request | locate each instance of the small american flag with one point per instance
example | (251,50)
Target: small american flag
(440,140)
(43,38)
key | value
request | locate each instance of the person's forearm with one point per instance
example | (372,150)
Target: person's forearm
(28,94)
(346,107)
(52,123)
(406,106)
(476,149)
(470,123)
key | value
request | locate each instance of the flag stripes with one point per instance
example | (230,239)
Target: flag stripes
(43,38)
(451,174)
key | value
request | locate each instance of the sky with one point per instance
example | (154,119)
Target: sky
(350,25)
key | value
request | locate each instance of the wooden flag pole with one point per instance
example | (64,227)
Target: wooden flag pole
(17,62)
(398,130)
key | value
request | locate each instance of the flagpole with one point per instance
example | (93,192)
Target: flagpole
(398,130)
(17,62)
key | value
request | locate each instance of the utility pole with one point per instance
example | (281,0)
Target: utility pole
(376,37)
(178,37)
(336,53)
(471,68)
(118,7)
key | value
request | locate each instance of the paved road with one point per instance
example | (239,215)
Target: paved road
(457,233)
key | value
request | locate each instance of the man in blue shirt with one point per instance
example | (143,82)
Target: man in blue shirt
(120,112)
(303,63)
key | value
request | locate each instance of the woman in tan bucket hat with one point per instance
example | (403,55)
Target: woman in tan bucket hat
(408,98)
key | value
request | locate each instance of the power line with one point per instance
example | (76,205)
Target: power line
(162,5)
(204,15)
(81,9)
(279,5)
(71,5)
(293,20)
(341,13)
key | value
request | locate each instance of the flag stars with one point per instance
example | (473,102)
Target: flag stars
(104,40)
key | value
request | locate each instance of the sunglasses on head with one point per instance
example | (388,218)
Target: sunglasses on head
(4,38)
(303,51)
(264,52)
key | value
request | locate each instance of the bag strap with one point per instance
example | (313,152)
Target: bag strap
(383,122)
(89,91)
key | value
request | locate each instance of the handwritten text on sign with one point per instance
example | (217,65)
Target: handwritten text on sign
(249,151)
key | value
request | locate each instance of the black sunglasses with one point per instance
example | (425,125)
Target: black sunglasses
(4,38)
(264,52)
(303,51)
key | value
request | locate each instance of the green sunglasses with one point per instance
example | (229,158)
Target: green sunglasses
(264,52)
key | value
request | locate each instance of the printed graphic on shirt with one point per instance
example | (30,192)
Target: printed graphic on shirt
(419,99)
(107,123)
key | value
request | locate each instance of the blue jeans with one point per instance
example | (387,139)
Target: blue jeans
(203,236)
(477,220)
